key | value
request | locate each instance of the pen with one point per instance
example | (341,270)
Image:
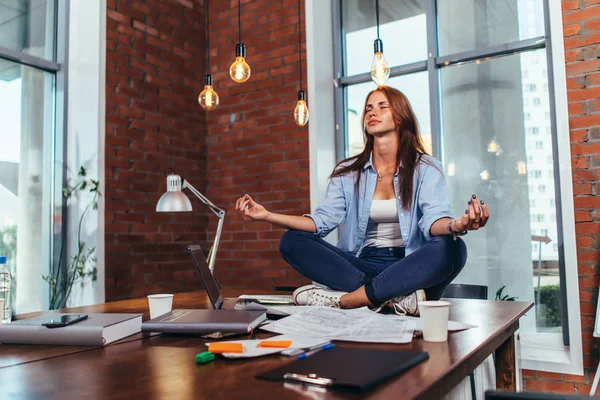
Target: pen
(310,353)
(300,350)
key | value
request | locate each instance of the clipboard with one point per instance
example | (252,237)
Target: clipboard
(346,368)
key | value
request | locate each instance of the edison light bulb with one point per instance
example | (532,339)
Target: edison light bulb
(301,110)
(240,70)
(485,175)
(208,98)
(492,146)
(451,169)
(380,69)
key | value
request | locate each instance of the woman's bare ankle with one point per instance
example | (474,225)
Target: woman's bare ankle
(355,299)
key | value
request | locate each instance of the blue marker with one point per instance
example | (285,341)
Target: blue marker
(310,353)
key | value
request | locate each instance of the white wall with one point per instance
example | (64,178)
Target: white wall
(85,130)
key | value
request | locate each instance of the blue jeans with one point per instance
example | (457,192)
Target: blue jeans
(385,272)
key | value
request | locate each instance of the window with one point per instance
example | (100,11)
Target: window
(27,156)
(454,81)
(531,87)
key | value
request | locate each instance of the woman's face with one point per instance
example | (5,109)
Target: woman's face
(378,116)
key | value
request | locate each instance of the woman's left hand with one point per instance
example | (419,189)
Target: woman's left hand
(475,216)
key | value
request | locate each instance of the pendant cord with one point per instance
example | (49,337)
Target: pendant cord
(377,16)
(239,22)
(207,40)
(299,46)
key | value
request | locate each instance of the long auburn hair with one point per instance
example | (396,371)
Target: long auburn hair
(410,145)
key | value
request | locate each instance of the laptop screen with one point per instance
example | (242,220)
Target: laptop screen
(210,283)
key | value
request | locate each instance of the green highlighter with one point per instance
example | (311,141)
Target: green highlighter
(204,357)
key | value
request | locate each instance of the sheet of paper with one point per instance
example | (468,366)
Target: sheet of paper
(453,326)
(251,348)
(349,325)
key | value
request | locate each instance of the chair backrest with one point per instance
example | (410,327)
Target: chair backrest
(496,395)
(464,291)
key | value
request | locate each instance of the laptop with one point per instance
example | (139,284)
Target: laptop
(244,302)
(206,321)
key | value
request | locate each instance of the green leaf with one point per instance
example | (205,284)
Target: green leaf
(82,171)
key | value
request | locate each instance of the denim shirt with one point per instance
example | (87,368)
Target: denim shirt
(350,209)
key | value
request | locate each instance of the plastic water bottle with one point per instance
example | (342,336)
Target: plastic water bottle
(5,281)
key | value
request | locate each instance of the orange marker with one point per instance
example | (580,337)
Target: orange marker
(219,348)
(281,344)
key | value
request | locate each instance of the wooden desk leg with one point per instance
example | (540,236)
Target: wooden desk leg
(506,374)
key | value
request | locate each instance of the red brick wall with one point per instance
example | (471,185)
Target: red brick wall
(154,72)
(254,146)
(581,20)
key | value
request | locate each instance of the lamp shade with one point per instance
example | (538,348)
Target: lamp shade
(174,200)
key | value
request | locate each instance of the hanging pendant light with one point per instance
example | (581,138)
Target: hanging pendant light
(240,70)
(380,69)
(208,98)
(301,110)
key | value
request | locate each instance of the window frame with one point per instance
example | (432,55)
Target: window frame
(561,352)
(54,180)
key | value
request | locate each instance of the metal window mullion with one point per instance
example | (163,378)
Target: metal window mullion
(338,94)
(491,51)
(434,81)
(400,70)
(29,60)
(59,172)
(557,192)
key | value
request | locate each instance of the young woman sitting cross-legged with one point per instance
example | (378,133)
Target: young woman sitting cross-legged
(399,241)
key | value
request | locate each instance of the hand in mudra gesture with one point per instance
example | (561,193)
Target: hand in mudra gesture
(475,216)
(250,210)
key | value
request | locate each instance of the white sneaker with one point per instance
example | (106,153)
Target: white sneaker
(312,295)
(409,304)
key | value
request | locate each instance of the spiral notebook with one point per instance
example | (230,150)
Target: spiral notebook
(346,367)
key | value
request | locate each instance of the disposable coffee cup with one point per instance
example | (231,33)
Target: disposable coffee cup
(434,320)
(160,304)
(1,310)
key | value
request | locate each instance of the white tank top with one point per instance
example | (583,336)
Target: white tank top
(383,229)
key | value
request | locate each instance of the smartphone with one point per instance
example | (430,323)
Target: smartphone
(64,320)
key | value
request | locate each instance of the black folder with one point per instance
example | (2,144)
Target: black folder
(346,367)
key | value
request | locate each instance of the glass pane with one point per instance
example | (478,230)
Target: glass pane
(497,144)
(402,28)
(486,23)
(416,89)
(28,26)
(26,112)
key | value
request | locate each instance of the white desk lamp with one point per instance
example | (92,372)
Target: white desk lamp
(174,200)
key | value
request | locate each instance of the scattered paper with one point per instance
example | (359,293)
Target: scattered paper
(348,325)
(251,349)
(453,326)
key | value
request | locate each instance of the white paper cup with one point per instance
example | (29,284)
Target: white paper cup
(160,304)
(434,320)
(1,310)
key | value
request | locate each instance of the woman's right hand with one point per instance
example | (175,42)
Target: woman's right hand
(251,210)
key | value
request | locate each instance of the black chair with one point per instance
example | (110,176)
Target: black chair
(497,395)
(464,291)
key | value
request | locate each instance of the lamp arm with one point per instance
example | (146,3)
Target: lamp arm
(216,210)
(212,254)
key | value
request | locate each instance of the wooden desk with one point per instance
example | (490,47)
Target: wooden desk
(163,365)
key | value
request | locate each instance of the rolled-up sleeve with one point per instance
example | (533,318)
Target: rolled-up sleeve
(433,198)
(332,210)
